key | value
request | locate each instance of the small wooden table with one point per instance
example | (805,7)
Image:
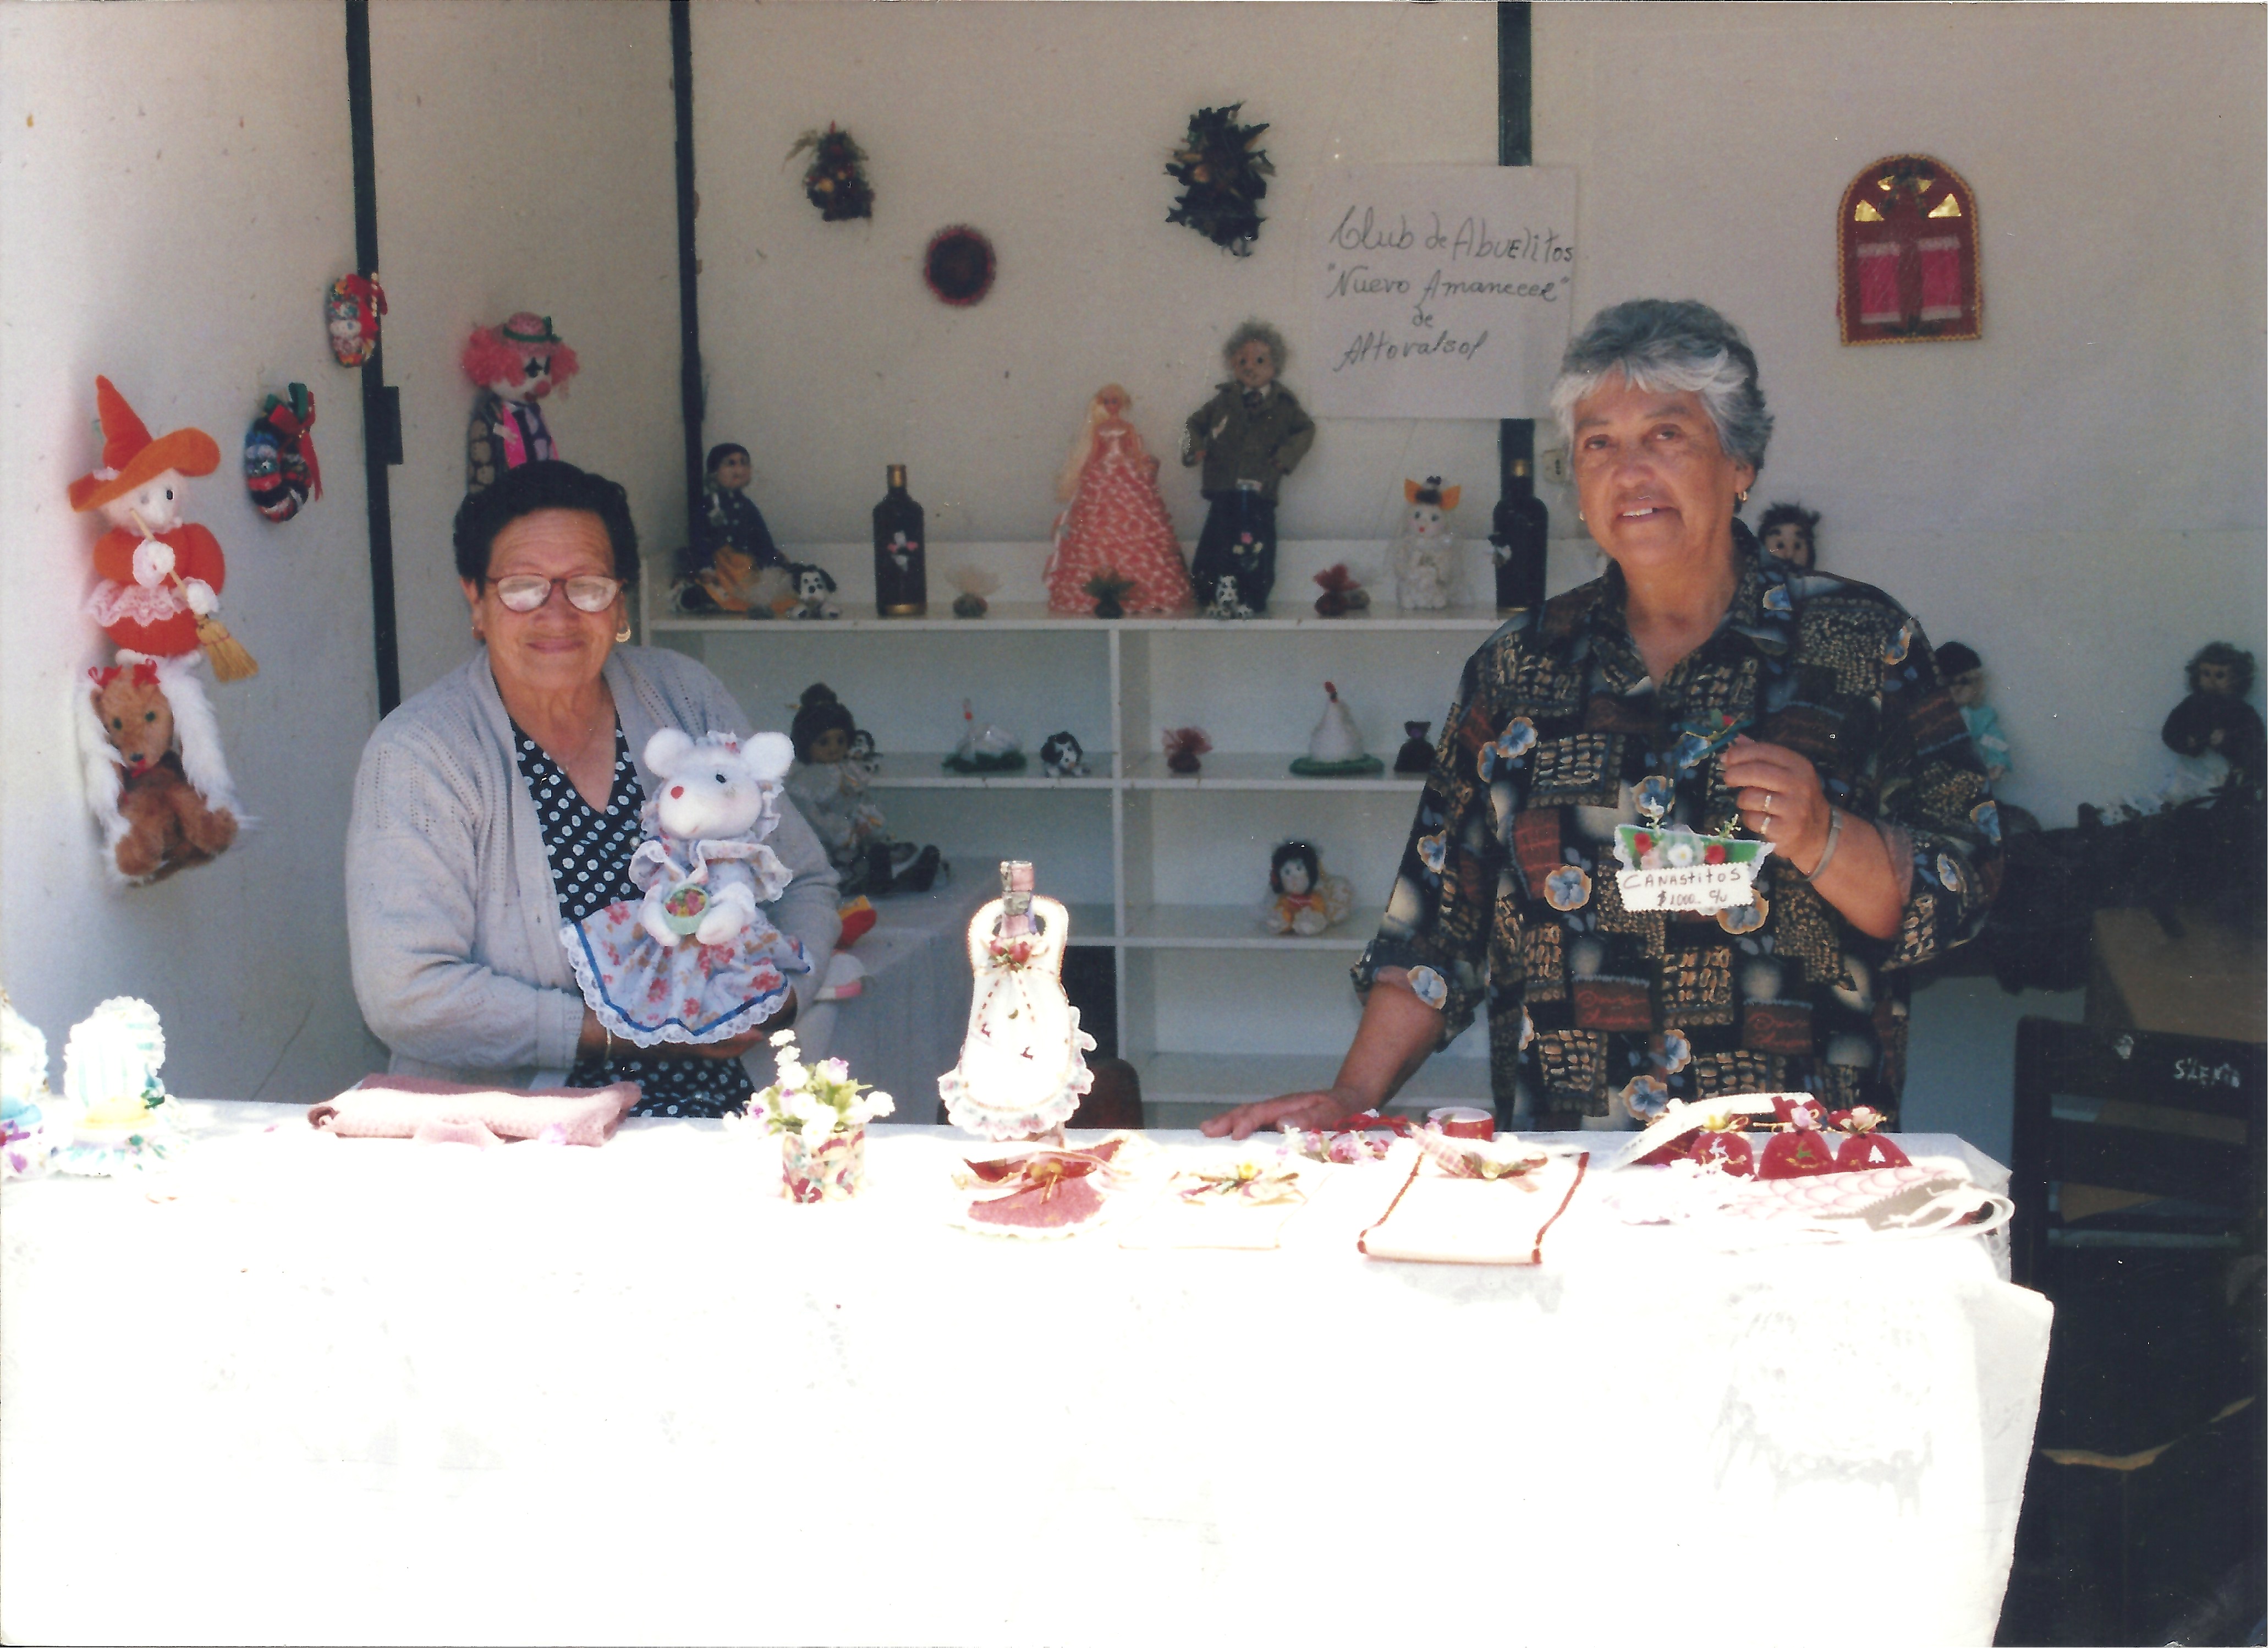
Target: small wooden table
(2210,981)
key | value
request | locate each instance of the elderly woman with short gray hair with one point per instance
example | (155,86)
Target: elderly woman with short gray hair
(1726,689)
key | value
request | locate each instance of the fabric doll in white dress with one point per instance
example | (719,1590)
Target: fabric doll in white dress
(696,960)
(1022,1071)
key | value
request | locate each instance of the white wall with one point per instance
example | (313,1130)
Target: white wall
(176,187)
(1048,127)
(178,237)
(2079,494)
(526,160)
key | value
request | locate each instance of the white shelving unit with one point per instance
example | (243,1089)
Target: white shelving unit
(1167,871)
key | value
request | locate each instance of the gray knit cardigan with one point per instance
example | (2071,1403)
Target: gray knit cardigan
(453,923)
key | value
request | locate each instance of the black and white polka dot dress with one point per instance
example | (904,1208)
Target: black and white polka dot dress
(590,854)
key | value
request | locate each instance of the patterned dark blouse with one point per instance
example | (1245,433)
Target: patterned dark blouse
(1506,892)
(590,854)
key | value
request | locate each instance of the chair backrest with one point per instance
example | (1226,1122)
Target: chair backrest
(2108,1122)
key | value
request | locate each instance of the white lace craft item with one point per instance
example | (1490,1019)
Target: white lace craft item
(1022,1070)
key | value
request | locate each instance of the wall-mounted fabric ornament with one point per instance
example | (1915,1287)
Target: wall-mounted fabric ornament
(1224,178)
(280,468)
(157,779)
(1906,248)
(959,266)
(160,575)
(350,309)
(835,180)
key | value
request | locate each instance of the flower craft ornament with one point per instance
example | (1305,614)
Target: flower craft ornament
(820,1115)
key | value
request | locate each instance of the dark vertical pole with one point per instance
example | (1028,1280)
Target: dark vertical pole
(381,406)
(1515,145)
(688,264)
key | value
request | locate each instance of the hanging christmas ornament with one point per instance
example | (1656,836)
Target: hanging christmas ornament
(835,180)
(280,468)
(1224,179)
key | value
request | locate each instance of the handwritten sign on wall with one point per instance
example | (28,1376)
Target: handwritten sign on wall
(1437,290)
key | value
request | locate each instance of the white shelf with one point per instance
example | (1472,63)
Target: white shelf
(1234,926)
(1032,614)
(1090,925)
(1250,772)
(1172,887)
(925,770)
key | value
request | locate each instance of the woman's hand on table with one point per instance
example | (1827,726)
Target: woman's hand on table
(1305,1110)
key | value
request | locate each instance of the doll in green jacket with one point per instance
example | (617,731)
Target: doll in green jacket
(1248,437)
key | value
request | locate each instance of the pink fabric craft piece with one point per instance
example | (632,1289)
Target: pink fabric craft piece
(1117,523)
(415,1107)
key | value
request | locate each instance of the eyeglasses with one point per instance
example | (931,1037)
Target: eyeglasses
(526,592)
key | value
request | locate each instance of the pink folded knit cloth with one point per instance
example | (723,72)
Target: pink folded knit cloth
(415,1107)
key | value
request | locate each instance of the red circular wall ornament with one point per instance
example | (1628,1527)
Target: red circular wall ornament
(1906,247)
(959,266)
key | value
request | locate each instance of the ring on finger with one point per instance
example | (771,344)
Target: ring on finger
(1769,798)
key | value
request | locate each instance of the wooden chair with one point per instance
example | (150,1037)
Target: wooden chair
(2137,1174)
(2132,1139)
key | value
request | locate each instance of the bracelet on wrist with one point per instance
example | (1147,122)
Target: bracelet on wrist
(1827,853)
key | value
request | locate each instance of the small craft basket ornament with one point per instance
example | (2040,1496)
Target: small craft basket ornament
(819,1116)
(834,1169)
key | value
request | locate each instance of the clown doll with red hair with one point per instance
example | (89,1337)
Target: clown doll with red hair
(515,366)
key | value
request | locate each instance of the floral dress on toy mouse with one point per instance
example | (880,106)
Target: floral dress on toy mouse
(1022,1071)
(696,960)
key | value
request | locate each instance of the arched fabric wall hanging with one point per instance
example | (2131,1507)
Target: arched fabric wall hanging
(1906,253)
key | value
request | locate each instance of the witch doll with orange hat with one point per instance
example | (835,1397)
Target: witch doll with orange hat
(156,777)
(161,576)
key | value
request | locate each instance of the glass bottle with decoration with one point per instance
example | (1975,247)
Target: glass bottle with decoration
(1519,535)
(900,561)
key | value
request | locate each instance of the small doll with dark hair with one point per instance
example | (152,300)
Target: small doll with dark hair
(1790,533)
(1302,901)
(2214,719)
(733,565)
(828,781)
(1962,672)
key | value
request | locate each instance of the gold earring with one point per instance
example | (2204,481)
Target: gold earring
(624,634)
(1744,496)
(1579,515)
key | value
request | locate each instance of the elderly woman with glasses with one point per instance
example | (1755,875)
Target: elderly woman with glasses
(1699,684)
(504,799)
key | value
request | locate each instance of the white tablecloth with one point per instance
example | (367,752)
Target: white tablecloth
(309,1389)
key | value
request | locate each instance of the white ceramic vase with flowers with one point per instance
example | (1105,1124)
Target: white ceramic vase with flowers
(819,1116)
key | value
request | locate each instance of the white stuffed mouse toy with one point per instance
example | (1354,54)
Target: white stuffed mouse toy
(705,866)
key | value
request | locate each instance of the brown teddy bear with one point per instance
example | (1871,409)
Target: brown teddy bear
(155,777)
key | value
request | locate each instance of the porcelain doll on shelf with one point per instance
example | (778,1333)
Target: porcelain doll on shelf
(1248,437)
(829,784)
(1113,521)
(1022,1070)
(1301,900)
(1962,672)
(733,565)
